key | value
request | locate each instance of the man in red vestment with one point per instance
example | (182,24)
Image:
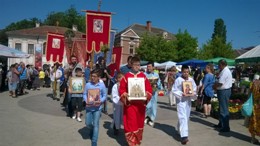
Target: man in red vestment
(134,110)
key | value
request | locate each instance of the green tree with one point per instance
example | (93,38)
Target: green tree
(23,24)
(55,18)
(217,46)
(186,46)
(66,19)
(219,30)
(156,48)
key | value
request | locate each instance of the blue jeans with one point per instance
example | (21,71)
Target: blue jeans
(92,123)
(223,98)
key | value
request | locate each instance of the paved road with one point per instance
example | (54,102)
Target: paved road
(36,119)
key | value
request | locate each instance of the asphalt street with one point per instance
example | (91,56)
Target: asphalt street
(36,119)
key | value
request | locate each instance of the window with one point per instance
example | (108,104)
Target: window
(30,48)
(131,39)
(131,49)
(44,48)
(18,46)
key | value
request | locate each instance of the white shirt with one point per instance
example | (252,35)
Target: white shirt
(56,74)
(225,78)
(115,95)
(177,88)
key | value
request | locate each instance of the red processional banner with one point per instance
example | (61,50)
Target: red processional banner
(115,60)
(54,47)
(38,56)
(98,25)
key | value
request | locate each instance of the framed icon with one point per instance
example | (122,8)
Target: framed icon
(136,89)
(77,84)
(92,97)
(187,87)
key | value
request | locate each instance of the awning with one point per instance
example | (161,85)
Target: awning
(12,53)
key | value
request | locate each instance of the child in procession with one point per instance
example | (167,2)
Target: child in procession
(117,105)
(183,101)
(94,95)
(77,98)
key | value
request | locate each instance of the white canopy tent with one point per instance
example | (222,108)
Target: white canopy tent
(251,56)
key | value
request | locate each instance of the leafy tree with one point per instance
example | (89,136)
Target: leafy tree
(23,24)
(67,19)
(217,46)
(55,18)
(156,48)
(186,46)
(219,30)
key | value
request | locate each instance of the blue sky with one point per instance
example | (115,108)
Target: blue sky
(241,17)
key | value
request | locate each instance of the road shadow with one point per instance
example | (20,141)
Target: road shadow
(84,132)
(120,138)
(162,103)
(168,129)
(225,134)
(168,107)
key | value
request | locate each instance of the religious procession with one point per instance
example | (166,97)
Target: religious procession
(90,73)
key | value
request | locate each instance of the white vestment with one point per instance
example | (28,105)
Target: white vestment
(183,105)
(117,108)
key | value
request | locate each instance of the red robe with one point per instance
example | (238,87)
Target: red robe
(134,111)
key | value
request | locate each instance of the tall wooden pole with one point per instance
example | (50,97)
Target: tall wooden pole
(93,51)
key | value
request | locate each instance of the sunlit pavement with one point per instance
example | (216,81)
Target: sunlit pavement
(37,119)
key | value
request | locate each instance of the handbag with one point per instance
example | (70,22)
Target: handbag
(247,107)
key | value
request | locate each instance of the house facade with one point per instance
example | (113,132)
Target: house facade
(27,40)
(129,39)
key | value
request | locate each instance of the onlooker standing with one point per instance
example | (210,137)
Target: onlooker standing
(183,101)
(197,75)
(56,75)
(254,120)
(1,75)
(23,78)
(94,107)
(41,77)
(14,80)
(223,86)
(207,89)
(47,79)
(36,80)
(9,80)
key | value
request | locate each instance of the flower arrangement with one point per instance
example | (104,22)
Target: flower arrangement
(234,108)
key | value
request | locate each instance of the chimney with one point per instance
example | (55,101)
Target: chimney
(37,24)
(149,25)
(74,27)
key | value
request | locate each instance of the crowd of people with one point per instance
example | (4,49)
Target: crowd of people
(88,89)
